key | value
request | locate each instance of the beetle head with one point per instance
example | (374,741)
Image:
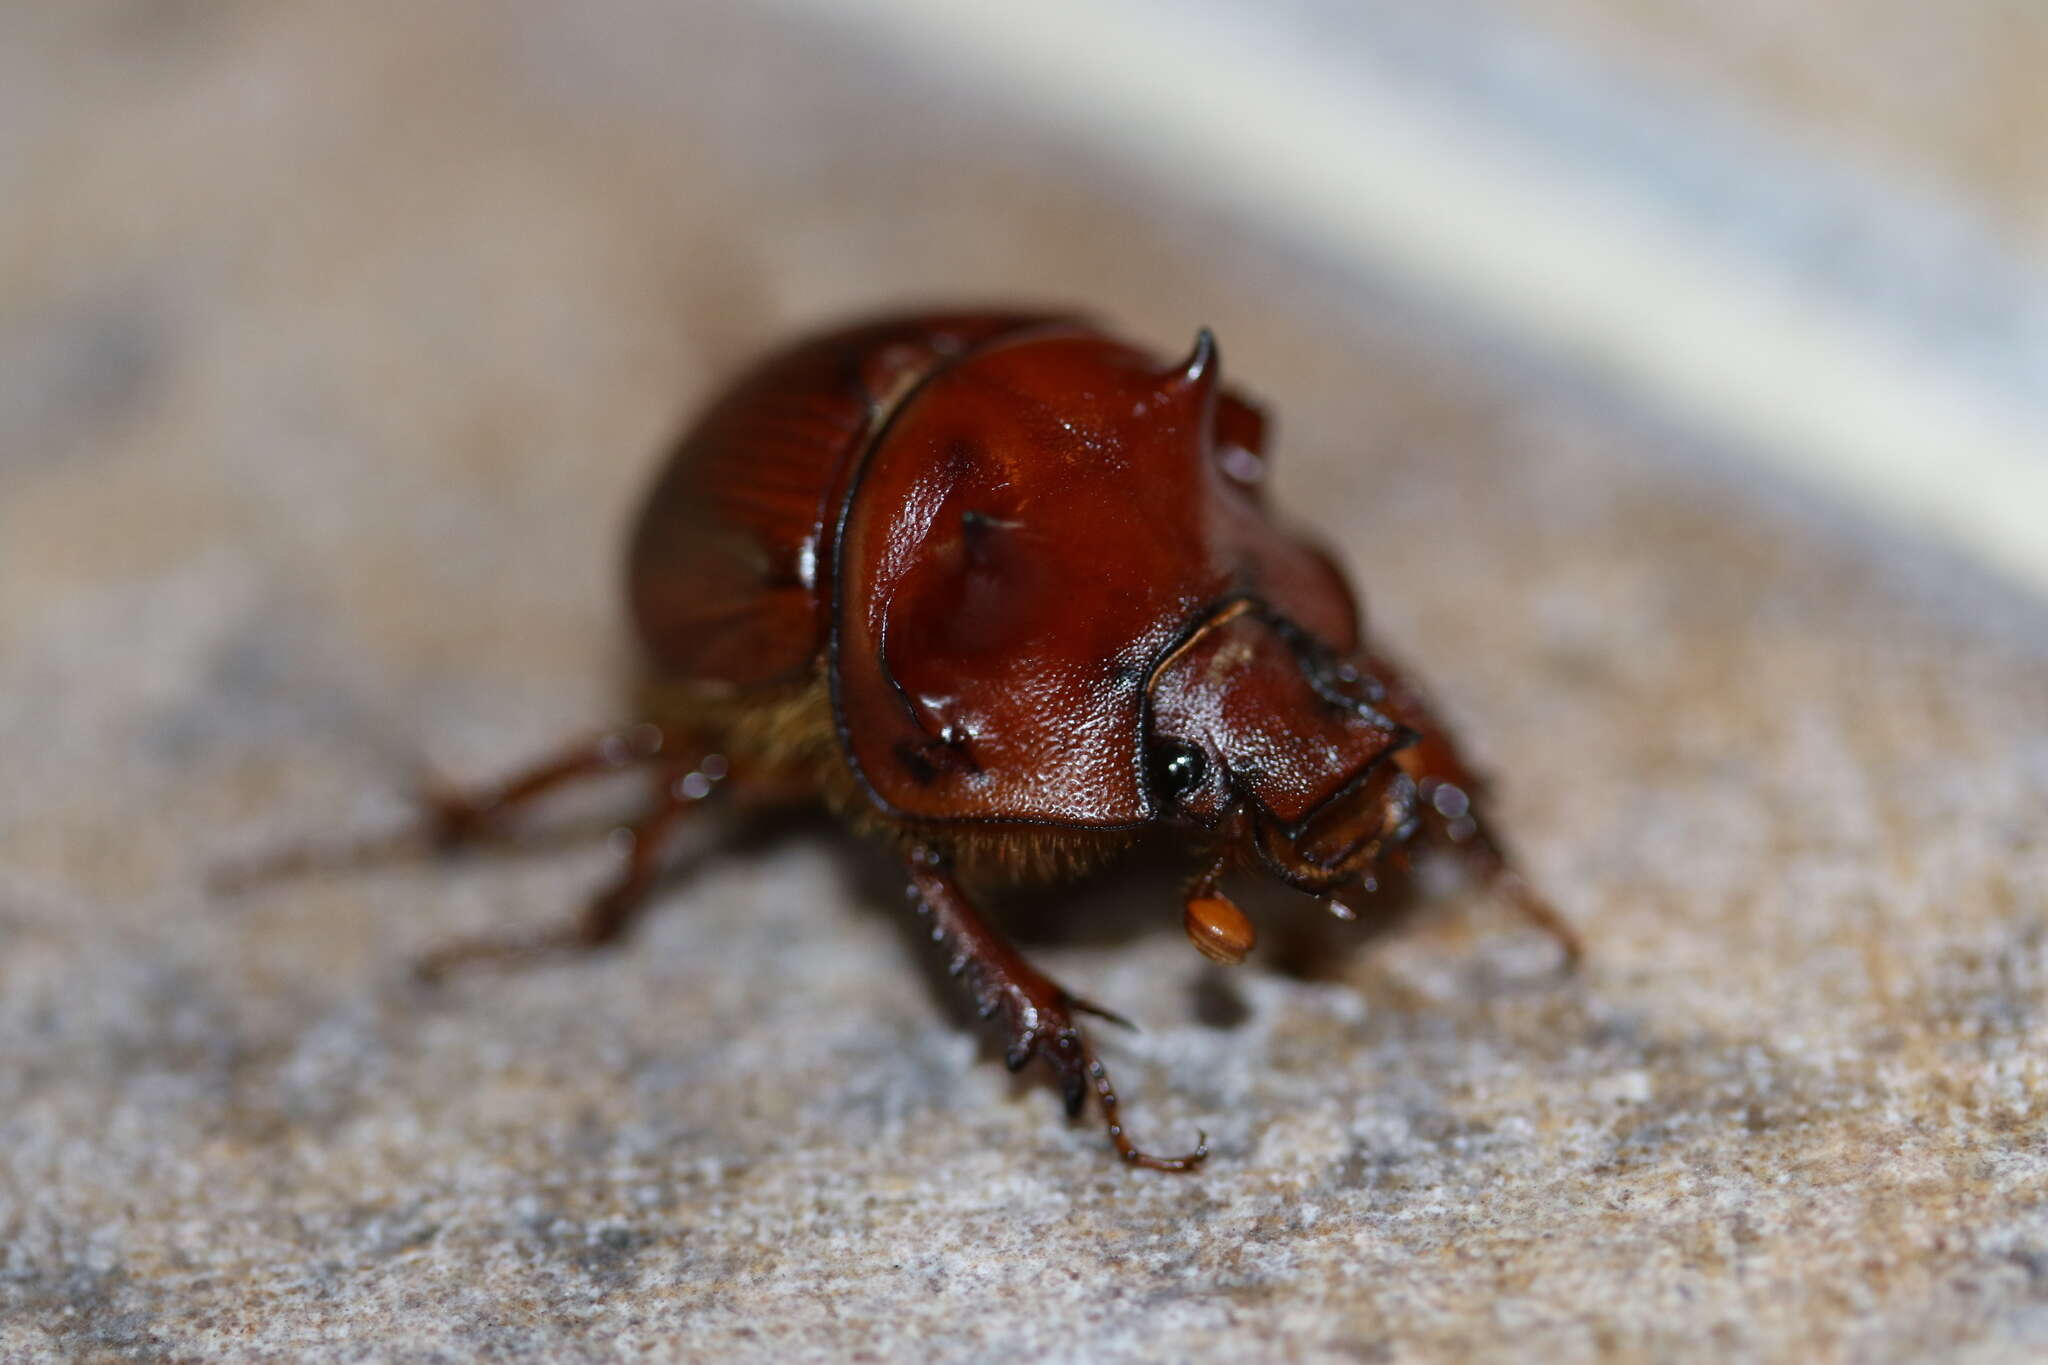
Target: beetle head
(1254,731)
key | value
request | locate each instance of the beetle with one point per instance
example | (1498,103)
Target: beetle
(1001,591)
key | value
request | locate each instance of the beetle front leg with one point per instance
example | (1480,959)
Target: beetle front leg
(1037,1016)
(1449,794)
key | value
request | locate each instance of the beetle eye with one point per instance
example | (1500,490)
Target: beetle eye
(1177,769)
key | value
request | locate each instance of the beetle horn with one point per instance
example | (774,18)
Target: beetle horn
(1198,372)
(1194,379)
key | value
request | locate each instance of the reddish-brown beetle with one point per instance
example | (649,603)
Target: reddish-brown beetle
(1002,590)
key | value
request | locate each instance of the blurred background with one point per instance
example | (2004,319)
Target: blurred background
(1816,239)
(1673,379)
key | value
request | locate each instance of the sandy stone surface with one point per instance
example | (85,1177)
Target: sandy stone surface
(334,347)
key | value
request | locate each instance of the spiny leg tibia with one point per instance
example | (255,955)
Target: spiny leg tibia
(1037,1016)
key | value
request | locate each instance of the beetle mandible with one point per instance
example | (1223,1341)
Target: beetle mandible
(1001,591)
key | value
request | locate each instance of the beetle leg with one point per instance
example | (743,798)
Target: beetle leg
(1037,1015)
(1487,858)
(452,817)
(679,793)
(1449,818)
(1450,815)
